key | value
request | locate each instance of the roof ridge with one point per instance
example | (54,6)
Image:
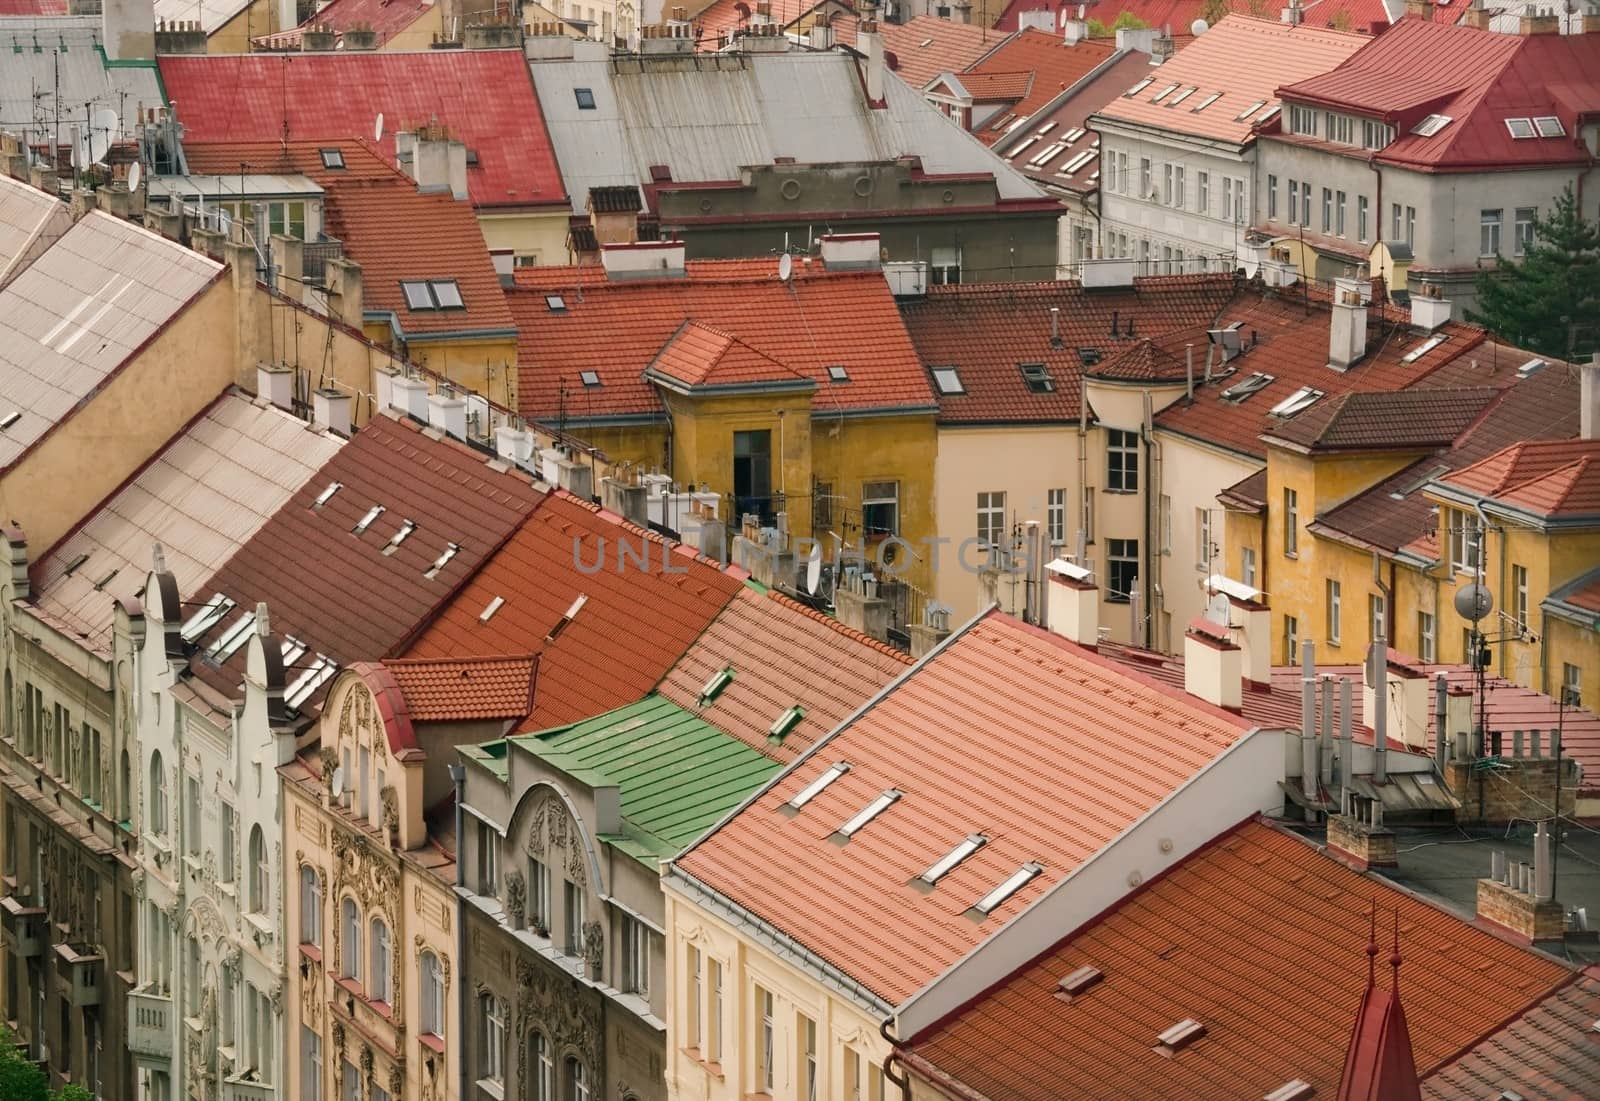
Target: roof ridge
(475,659)
(783,599)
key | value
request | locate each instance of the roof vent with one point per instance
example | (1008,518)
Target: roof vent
(327,495)
(1532,367)
(713,687)
(450,551)
(1296,1090)
(1078,982)
(784,723)
(494,606)
(567,617)
(406,528)
(1179,1036)
(9,419)
(366,521)
(817,786)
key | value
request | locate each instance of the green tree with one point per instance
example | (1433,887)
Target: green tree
(1127,21)
(72,1092)
(20,1080)
(1550,302)
(1215,11)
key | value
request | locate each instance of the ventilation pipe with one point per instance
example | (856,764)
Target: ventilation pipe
(1347,746)
(1378,656)
(1325,746)
(1308,722)
(1441,723)
(1188,373)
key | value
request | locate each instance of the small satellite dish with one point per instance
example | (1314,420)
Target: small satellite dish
(338,781)
(785,267)
(1199,27)
(135,177)
(377,128)
(814,560)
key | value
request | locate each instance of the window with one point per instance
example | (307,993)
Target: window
(807,1028)
(1464,541)
(492,1046)
(332,158)
(1489,232)
(1055,512)
(714,1015)
(1272,198)
(1411,225)
(1291,640)
(539,896)
(1203,192)
(350,940)
(1165,520)
(880,509)
(1178,194)
(1394,222)
(577,1081)
(1375,135)
(488,860)
(1571,685)
(1036,376)
(1521,128)
(259,871)
(378,975)
(764,1041)
(1144,178)
(1294,202)
(1122,461)
(573,913)
(311,1064)
(1122,561)
(1327,210)
(1427,638)
(1333,611)
(752,472)
(947,380)
(1519,596)
(1361,218)
(635,978)
(433,994)
(310,906)
(541,1068)
(349,1082)
(991,519)
(230,839)
(228,1003)
(1204,551)
(1377,616)
(1247,566)
(945,266)
(1237,207)
(697,979)
(260,1036)
(1338,213)
(1291,523)
(585,98)
(432,294)
(1523,239)
(191,804)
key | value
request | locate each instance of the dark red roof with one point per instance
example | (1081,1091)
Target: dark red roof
(338,592)
(1046,64)
(33,7)
(386,18)
(260,97)
(1476,78)
(1545,1051)
(635,622)
(1394,420)
(1259,937)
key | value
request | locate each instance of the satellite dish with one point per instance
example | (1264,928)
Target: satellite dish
(1474,602)
(105,127)
(1199,27)
(338,781)
(135,177)
(814,560)
(377,128)
(785,267)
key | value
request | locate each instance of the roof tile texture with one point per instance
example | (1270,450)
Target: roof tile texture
(465,689)
(699,355)
(1548,477)
(1535,1055)
(1033,68)
(1399,420)
(925,46)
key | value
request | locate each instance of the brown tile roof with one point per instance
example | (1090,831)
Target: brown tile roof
(619,199)
(391,229)
(1261,938)
(1142,361)
(466,689)
(1582,592)
(1396,420)
(1248,494)
(636,619)
(337,591)
(986,329)
(926,46)
(783,654)
(1551,478)
(700,357)
(1547,1050)
(1049,65)
(994,733)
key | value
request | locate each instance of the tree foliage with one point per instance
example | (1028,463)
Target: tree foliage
(1215,11)
(1550,302)
(1127,21)
(20,1080)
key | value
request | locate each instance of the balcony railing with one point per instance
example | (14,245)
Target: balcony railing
(150,1024)
(234,1089)
(23,927)
(315,256)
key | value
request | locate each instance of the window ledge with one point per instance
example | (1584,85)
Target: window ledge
(259,924)
(311,952)
(713,1069)
(1292,555)
(1121,492)
(432,1042)
(488,1088)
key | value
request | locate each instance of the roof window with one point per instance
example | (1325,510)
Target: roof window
(1079,161)
(9,419)
(432,294)
(1022,145)
(1047,127)
(1431,125)
(567,617)
(590,379)
(315,676)
(1018,879)
(713,687)
(1303,398)
(947,381)
(1204,103)
(946,863)
(784,723)
(868,813)
(1294,1090)
(585,98)
(1088,356)
(1050,152)
(450,551)
(1424,348)
(206,618)
(1250,110)
(292,650)
(1079,982)
(1164,93)
(1248,385)
(1549,126)
(1179,1036)
(366,521)
(494,606)
(406,528)
(229,641)
(1532,367)
(1183,95)
(1037,377)
(555,303)
(817,786)
(1521,128)
(837,373)
(1139,87)
(1074,134)
(332,158)
(327,495)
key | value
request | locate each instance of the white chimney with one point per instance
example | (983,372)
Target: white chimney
(437,162)
(643,260)
(1038,19)
(331,409)
(1072,602)
(821,35)
(128,29)
(1589,399)
(513,444)
(410,395)
(1075,31)
(1212,665)
(1253,635)
(1407,694)
(851,252)
(275,384)
(448,414)
(870,42)
(1429,311)
(1347,334)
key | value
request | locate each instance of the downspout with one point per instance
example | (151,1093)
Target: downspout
(458,777)
(1152,502)
(892,1059)
(1377,229)
(1389,602)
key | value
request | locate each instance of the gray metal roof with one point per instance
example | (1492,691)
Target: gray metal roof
(30,48)
(78,312)
(30,221)
(201,498)
(707,116)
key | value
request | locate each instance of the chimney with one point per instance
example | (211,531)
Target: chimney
(360,38)
(961,11)
(514,445)
(344,292)
(643,260)
(1293,15)
(276,385)
(1212,665)
(288,262)
(1162,48)
(437,162)
(318,38)
(1308,723)
(410,396)
(1477,16)
(331,409)
(448,414)
(1441,723)
(1377,678)
(1347,334)
(1347,745)
(870,42)
(1428,309)
(821,34)
(851,252)
(1075,31)
(1252,633)
(17,557)
(1589,399)
(1539,24)
(1406,693)
(1420,9)
(1325,741)
(127,29)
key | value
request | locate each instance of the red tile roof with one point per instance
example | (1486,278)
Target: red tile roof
(635,622)
(925,46)
(618,329)
(1262,939)
(1550,478)
(391,229)
(994,733)
(466,689)
(1545,1051)
(1478,79)
(1582,592)
(33,7)
(1141,361)
(317,96)
(1396,420)
(1179,15)
(337,591)
(985,330)
(1047,63)
(783,654)
(699,356)
(991,87)
(385,17)
(1243,59)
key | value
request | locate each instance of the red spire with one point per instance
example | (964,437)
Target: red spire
(1378,1065)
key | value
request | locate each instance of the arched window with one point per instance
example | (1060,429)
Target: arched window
(260,881)
(433,1003)
(378,980)
(350,938)
(158,796)
(310,906)
(541,1069)
(577,1080)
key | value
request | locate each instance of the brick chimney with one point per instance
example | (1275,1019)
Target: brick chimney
(361,37)
(1213,665)
(1420,9)
(1519,897)
(614,213)
(178,37)
(318,38)
(1539,24)
(1477,16)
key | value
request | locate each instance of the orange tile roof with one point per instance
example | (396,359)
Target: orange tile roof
(635,622)
(618,329)
(925,46)
(700,356)
(783,654)
(994,733)
(989,87)
(466,689)
(1550,478)
(1245,60)
(1050,64)
(1546,1051)
(1261,938)
(391,229)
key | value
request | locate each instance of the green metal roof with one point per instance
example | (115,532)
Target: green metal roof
(676,775)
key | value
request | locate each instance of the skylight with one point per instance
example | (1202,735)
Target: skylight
(1250,110)
(1018,880)
(1424,348)
(1431,125)
(1521,128)
(1532,367)
(585,98)
(1079,161)
(1549,126)
(837,373)
(318,674)
(567,617)
(947,381)
(432,294)
(1269,112)
(327,495)
(447,294)
(1074,134)
(229,641)
(1248,385)
(869,812)
(206,618)
(714,686)
(450,551)
(555,303)
(1303,398)
(1022,145)
(406,528)
(366,521)
(1164,93)
(817,786)
(1139,87)
(1207,102)
(1046,128)
(494,606)
(1183,95)
(332,158)
(589,378)
(1037,377)
(292,649)
(946,863)
(1050,151)
(779,730)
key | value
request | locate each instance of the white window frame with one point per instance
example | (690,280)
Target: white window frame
(1055,511)
(1122,461)
(310,906)
(1334,610)
(1291,523)
(1427,637)
(991,519)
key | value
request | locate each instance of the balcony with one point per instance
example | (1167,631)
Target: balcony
(22,926)
(315,256)
(235,1089)
(150,1024)
(82,972)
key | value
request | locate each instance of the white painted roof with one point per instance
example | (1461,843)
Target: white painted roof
(78,312)
(212,15)
(30,221)
(31,46)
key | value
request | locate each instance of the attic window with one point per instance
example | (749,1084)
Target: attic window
(1183,95)
(293,648)
(589,378)
(366,521)
(947,381)
(432,294)
(1164,93)
(332,158)
(1079,981)
(1549,126)
(1037,377)
(946,863)
(713,687)
(869,812)
(817,786)
(450,551)
(229,641)
(1521,128)
(1250,110)
(206,618)
(837,373)
(1431,125)
(1019,879)
(567,617)
(1204,103)
(319,672)
(1179,1036)
(1088,356)
(1296,1090)
(1424,348)
(779,730)
(585,98)
(1303,398)
(327,495)
(1247,386)
(494,606)
(406,528)
(1139,87)
(555,303)
(9,419)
